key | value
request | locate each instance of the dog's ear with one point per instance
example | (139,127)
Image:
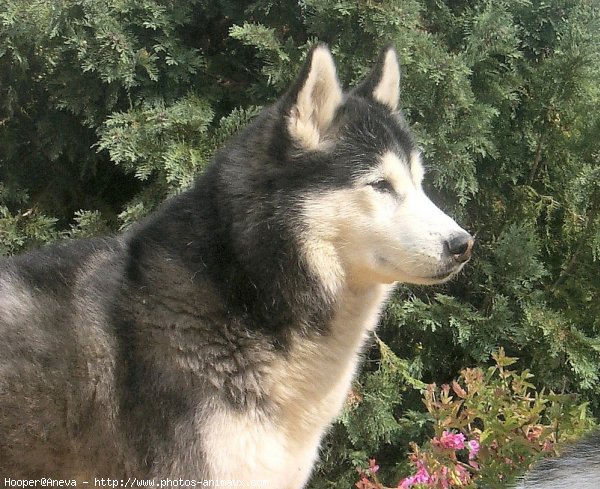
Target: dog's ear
(312,101)
(383,83)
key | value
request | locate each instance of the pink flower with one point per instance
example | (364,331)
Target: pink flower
(421,477)
(548,446)
(534,432)
(406,483)
(473,446)
(454,441)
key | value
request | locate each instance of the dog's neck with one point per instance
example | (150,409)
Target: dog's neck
(310,383)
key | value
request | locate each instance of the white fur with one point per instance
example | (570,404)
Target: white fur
(255,448)
(317,101)
(416,168)
(387,90)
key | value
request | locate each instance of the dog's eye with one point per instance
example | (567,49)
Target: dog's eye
(383,186)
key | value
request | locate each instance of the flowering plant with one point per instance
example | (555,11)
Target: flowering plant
(489,427)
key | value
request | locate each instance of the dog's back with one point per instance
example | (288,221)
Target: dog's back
(57,356)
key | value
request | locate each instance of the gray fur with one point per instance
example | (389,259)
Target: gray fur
(577,468)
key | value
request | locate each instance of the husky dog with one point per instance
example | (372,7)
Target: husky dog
(217,339)
(577,468)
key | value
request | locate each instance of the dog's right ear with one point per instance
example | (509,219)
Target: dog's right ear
(312,101)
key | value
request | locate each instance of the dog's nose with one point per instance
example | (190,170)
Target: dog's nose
(460,246)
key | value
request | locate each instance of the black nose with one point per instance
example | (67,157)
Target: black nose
(460,247)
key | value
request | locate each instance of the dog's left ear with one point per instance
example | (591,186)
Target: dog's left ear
(383,83)
(313,100)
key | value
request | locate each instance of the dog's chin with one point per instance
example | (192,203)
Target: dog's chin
(438,276)
(434,279)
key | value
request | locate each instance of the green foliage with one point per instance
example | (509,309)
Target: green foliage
(152,140)
(88,224)
(109,106)
(18,231)
(391,372)
(268,49)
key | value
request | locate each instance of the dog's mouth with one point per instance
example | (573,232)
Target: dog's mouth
(446,276)
(449,271)
(441,275)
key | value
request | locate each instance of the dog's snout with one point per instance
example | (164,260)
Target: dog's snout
(460,247)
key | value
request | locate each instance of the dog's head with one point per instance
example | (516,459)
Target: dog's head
(367,219)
